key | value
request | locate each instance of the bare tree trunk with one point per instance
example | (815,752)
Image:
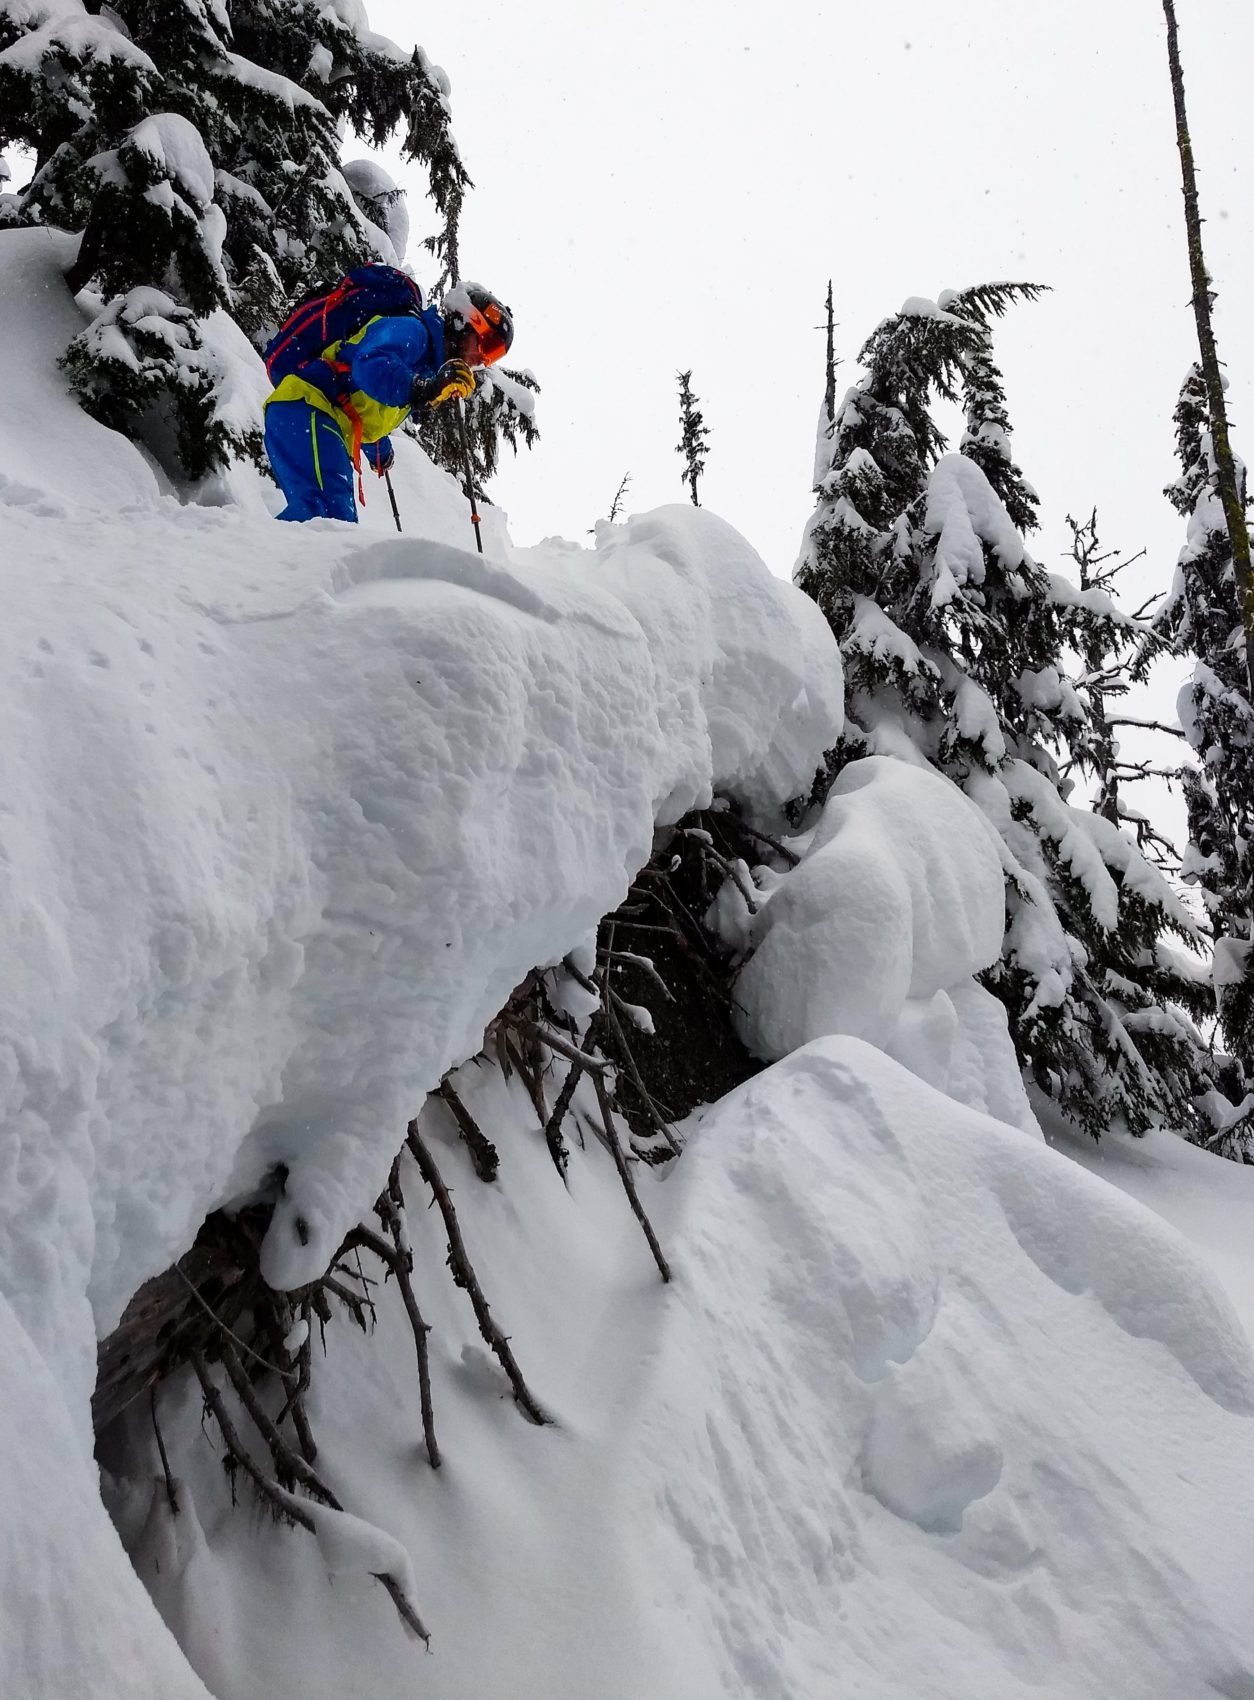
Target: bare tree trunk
(829,393)
(1230,493)
(1084,548)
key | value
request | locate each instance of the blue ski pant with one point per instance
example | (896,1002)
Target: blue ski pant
(311,462)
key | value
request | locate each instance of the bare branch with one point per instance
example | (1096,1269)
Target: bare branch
(579,977)
(287,1464)
(637,1080)
(218,1322)
(564,1048)
(465,1277)
(732,869)
(170,1493)
(402,1267)
(624,1174)
(283,1504)
(553,1127)
(1149,725)
(790,856)
(644,963)
(483,1153)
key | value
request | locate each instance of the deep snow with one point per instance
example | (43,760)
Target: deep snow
(902,1427)
(285,813)
(1210,1202)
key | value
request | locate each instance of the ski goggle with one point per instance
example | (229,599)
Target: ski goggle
(490,326)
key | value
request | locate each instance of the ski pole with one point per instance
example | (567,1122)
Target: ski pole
(470,475)
(396,512)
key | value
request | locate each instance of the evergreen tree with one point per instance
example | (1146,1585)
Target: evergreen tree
(142,365)
(198,148)
(1114,659)
(617,504)
(383,204)
(1203,616)
(695,439)
(502,409)
(955,643)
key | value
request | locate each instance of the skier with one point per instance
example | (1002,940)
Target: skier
(329,409)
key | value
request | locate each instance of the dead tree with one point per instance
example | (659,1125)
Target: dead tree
(829,387)
(1111,663)
(1203,301)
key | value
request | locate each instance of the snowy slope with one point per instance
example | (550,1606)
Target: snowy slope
(1208,1199)
(901,1428)
(285,814)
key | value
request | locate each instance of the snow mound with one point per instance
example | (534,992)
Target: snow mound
(54,455)
(283,838)
(899,900)
(72,1620)
(383,204)
(288,812)
(876,1440)
(725,638)
(913,1435)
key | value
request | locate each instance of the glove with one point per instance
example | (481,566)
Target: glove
(453,379)
(381,455)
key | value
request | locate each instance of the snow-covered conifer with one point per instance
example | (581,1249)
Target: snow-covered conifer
(383,203)
(955,644)
(617,504)
(1203,615)
(502,409)
(1115,657)
(695,438)
(198,147)
(143,366)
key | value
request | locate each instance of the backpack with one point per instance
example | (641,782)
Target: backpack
(329,315)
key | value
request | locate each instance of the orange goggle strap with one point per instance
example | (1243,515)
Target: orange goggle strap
(486,323)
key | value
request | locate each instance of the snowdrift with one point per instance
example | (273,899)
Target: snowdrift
(902,1427)
(285,814)
(878,934)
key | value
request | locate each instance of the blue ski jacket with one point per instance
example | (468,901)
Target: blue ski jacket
(364,382)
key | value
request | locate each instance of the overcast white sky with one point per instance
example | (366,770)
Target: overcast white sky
(670,183)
